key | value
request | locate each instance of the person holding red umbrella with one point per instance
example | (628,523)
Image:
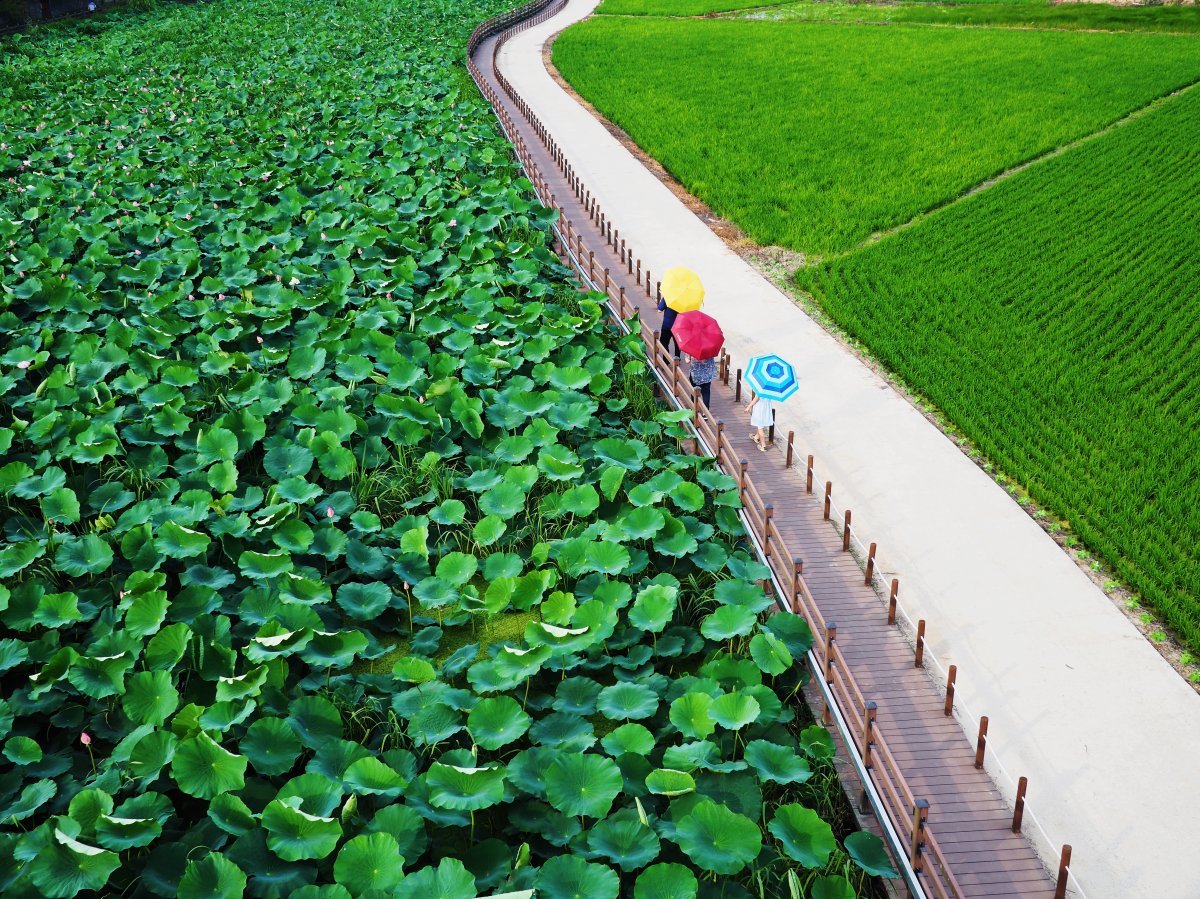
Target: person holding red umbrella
(700,337)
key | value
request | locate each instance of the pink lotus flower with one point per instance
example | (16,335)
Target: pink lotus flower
(453,222)
(329,511)
(294,282)
(24,363)
(259,339)
(85,739)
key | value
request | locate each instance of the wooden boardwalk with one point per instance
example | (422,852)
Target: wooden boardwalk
(955,828)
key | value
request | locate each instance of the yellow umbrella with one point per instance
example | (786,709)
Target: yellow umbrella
(682,290)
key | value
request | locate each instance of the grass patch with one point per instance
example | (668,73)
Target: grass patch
(678,7)
(820,135)
(1070,16)
(1050,317)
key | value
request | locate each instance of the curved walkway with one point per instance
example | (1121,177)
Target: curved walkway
(1105,730)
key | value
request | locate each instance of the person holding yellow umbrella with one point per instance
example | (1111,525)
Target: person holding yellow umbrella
(680,291)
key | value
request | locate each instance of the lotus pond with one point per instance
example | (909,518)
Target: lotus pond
(346,552)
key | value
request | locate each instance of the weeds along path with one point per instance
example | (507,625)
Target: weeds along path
(1078,701)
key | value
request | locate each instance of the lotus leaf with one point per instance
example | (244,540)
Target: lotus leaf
(22,751)
(570,877)
(628,738)
(654,607)
(777,763)
(625,701)
(79,556)
(743,594)
(577,696)
(414,670)
(369,862)
(294,834)
(150,697)
(868,852)
(728,622)
(120,833)
(465,789)
(449,880)
(562,731)
(734,710)
(769,653)
(803,835)
(405,825)
(666,880)
(372,776)
(816,743)
(717,839)
(64,866)
(232,815)
(669,782)
(691,715)
(580,784)
(204,769)
(833,886)
(793,631)
(497,721)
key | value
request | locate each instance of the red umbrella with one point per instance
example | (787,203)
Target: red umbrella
(698,334)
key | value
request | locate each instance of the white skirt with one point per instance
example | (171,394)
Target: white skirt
(761,416)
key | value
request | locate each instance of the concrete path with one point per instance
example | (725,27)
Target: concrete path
(1078,701)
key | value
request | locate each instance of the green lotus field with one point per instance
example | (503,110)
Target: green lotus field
(346,552)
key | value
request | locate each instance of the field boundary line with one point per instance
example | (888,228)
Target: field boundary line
(1149,107)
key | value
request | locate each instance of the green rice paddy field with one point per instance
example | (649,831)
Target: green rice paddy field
(820,134)
(1051,316)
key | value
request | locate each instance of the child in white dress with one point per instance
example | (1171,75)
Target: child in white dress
(761,417)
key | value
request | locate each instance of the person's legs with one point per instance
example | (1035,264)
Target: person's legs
(706,393)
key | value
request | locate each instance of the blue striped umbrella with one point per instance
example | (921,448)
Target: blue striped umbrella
(771,377)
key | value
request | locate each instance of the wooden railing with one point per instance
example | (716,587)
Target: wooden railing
(910,834)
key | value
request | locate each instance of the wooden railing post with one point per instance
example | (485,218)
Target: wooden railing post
(892,600)
(648,281)
(639,272)
(948,710)
(1019,808)
(981,742)
(830,636)
(920,817)
(870,566)
(787,461)
(768,513)
(828,497)
(797,572)
(621,303)
(1064,869)
(737,390)
(606,280)
(742,466)
(720,438)
(771,429)
(868,741)
(919,657)
(846,533)
(808,477)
